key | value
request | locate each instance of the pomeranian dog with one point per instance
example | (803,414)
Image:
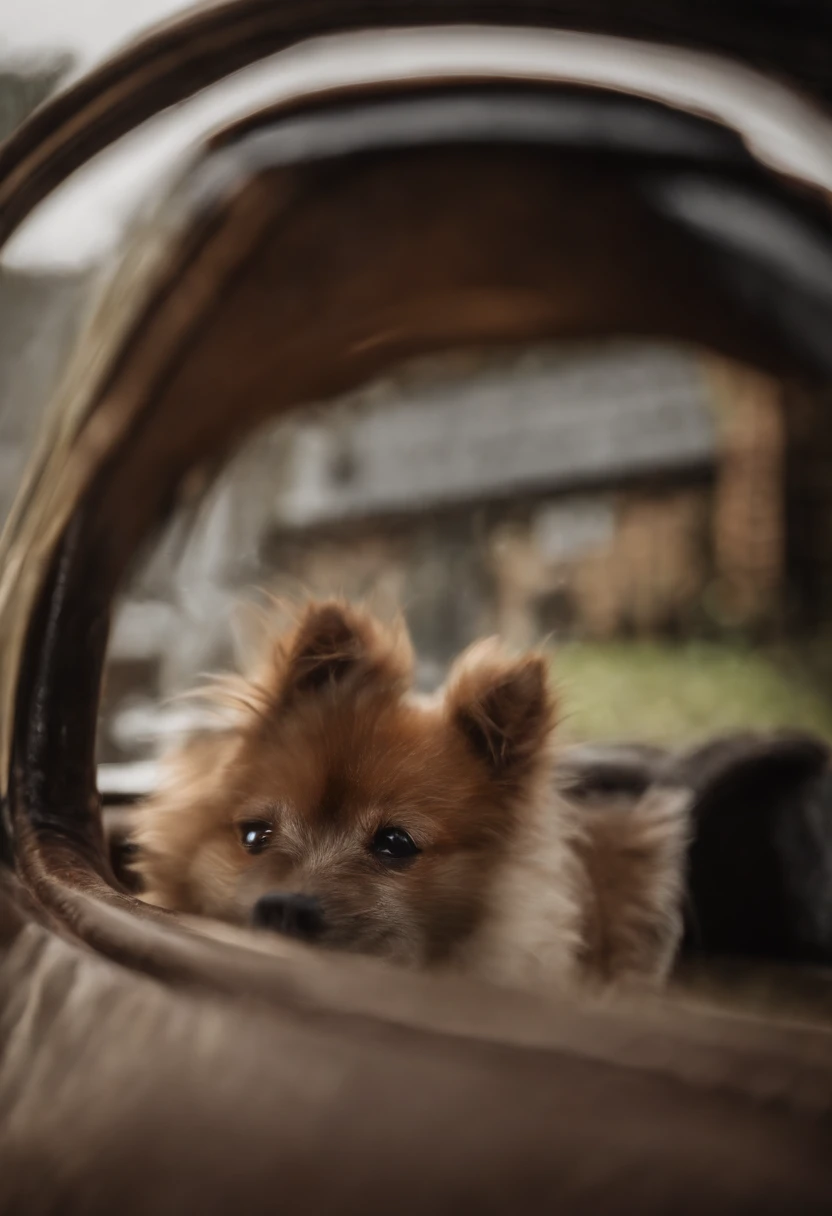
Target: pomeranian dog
(338,807)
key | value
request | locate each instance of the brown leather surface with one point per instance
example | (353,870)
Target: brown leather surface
(185,55)
(121,1093)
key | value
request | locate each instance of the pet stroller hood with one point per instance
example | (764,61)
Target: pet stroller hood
(677,185)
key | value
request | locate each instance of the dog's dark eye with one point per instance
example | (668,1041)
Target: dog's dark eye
(255,835)
(393,844)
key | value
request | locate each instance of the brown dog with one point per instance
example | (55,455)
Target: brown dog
(340,808)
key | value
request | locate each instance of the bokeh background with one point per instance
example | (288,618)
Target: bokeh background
(658,519)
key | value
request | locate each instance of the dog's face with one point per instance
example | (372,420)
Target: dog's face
(342,810)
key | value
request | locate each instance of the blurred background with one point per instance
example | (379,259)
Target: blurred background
(658,519)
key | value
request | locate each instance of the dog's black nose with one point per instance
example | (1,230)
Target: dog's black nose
(295,915)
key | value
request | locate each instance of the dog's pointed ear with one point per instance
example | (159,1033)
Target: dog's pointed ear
(504,707)
(335,642)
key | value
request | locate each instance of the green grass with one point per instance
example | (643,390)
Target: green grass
(662,693)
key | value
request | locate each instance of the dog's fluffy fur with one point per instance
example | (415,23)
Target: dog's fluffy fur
(328,745)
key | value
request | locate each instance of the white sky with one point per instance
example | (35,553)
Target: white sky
(88,28)
(84,220)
